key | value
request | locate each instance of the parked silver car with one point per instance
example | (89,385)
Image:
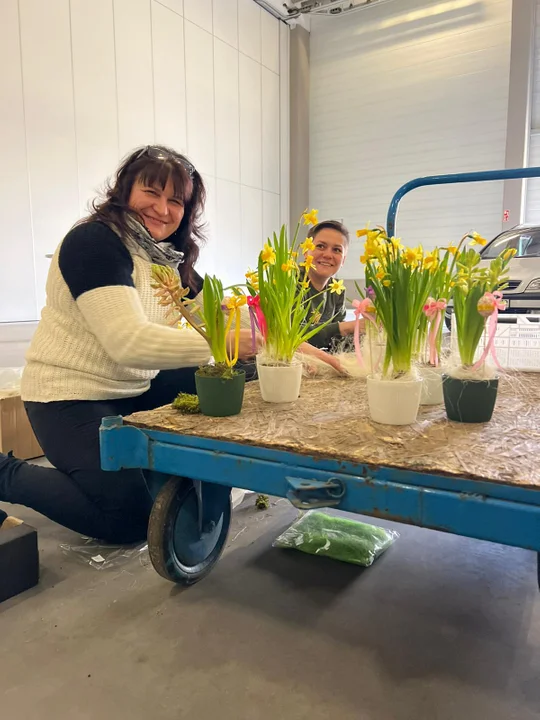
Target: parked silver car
(523,291)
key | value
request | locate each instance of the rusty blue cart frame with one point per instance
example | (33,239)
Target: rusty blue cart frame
(190,479)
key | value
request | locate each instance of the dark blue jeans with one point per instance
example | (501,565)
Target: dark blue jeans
(111,506)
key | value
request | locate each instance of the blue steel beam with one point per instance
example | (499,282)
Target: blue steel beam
(489,175)
(368,492)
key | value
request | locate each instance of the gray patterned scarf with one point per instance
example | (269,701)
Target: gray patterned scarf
(162,253)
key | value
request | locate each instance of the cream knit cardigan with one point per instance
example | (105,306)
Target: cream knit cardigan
(102,334)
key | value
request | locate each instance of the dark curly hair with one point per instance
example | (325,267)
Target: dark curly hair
(154,165)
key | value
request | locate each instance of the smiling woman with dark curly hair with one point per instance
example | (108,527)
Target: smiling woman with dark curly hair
(103,347)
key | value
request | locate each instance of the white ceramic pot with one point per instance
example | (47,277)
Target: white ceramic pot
(394,402)
(280,383)
(432,391)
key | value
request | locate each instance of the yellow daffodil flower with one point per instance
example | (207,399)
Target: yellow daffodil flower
(311,218)
(374,237)
(288,266)
(372,248)
(452,249)
(307,245)
(477,239)
(363,259)
(386,283)
(396,243)
(431,261)
(305,284)
(509,254)
(308,262)
(268,254)
(363,232)
(235,301)
(412,256)
(252,277)
(337,286)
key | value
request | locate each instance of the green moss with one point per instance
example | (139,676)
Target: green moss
(318,533)
(219,370)
(262,502)
(186,403)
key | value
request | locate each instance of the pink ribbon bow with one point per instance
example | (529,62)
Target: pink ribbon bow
(433,310)
(366,309)
(489,306)
(256,317)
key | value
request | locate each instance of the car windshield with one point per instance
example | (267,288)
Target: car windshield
(526,241)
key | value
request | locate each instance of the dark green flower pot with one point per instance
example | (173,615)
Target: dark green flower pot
(220,397)
(469,401)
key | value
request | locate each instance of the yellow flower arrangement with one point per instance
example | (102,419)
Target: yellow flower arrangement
(278,297)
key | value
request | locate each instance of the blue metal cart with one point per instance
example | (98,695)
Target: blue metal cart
(192,462)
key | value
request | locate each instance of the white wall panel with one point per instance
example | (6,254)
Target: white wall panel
(270,130)
(226,21)
(132,29)
(94,84)
(270,41)
(532,201)
(17,280)
(199,12)
(89,81)
(207,258)
(169,77)
(401,91)
(252,225)
(50,126)
(227,240)
(285,121)
(200,97)
(271,214)
(249,29)
(250,122)
(176,6)
(227,111)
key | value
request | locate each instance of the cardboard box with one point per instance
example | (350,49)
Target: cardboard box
(19,560)
(16,434)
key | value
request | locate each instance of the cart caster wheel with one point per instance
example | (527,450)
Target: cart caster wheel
(188,529)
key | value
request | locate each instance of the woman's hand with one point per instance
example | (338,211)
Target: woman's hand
(245,348)
(347,327)
(325,357)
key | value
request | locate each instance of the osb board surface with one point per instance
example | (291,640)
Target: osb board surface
(331,420)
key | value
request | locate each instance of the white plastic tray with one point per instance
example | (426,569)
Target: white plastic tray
(517,342)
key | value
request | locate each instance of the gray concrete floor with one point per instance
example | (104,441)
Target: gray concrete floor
(440,628)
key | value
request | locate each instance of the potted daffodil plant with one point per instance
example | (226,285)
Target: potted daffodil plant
(282,311)
(220,387)
(441,263)
(470,386)
(399,280)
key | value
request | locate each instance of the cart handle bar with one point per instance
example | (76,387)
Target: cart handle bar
(514,174)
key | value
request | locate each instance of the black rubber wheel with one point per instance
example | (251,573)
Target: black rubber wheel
(179,551)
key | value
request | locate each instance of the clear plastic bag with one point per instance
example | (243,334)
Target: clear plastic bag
(103,557)
(351,541)
(10,378)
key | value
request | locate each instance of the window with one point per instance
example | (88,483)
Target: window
(525,241)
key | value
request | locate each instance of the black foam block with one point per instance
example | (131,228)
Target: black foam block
(19,560)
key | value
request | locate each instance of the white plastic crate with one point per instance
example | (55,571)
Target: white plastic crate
(517,342)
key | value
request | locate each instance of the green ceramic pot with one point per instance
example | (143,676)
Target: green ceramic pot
(469,401)
(220,397)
